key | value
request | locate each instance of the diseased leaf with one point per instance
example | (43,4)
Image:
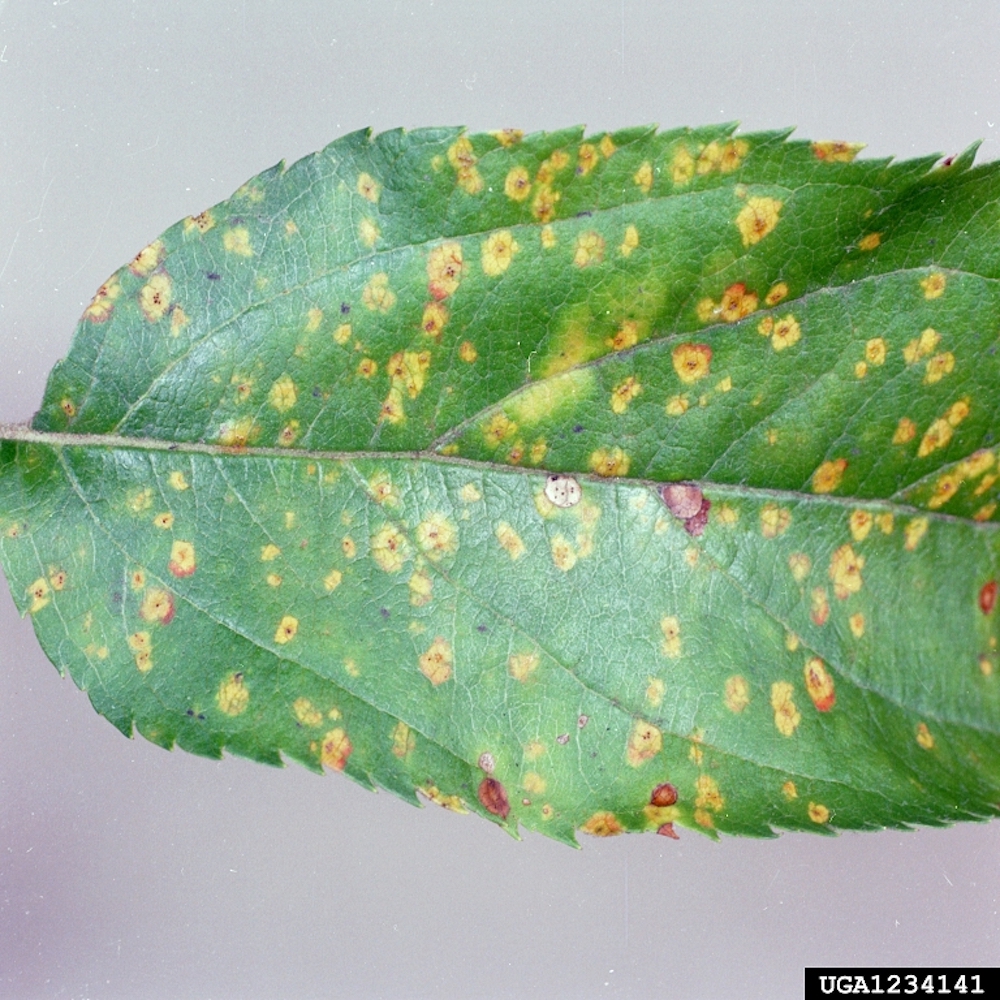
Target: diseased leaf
(610,483)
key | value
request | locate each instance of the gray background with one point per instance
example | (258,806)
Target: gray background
(126,871)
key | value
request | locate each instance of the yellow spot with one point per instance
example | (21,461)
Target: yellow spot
(377,295)
(368,232)
(985,512)
(348,547)
(548,237)
(643,177)
(367,367)
(335,749)
(57,577)
(800,564)
(273,580)
(986,484)
(786,715)
(538,450)
(470,493)
(203,222)
(944,489)
(789,790)
(609,462)
(791,642)
(154,297)
(559,160)
(644,742)
(182,559)
(510,540)
(543,206)
(819,684)
(786,333)
(498,429)
(269,552)
(137,580)
(244,386)
(939,366)
(444,270)
(845,571)
(671,629)
(404,742)
(286,630)
(148,259)
(238,433)
(521,666)
(724,385)
(283,394)
(766,326)
(774,520)
(624,393)
(819,606)
(985,665)
(437,537)
(691,361)
(655,691)
(368,187)
(333,579)
(306,712)
(434,319)
(407,371)
(914,532)
(563,553)
(921,347)
(517,185)
(178,319)
(861,523)
(290,228)
(737,695)
(828,476)
(709,159)
(421,588)
(677,406)
(589,249)
(875,350)
(165,520)
(467,352)
(728,515)
(533,783)
(707,794)
(630,242)
(497,252)
(40,596)
(157,606)
(351,668)
(232,696)
(836,152)
(237,241)
(508,137)
(924,737)
(869,242)
(937,436)
(138,500)
(436,664)
(757,218)
(462,158)
(342,334)
(390,549)
(732,155)
(906,431)
(103,302)
(976,464)
(778,293)
(737,303)
(603,824)
(957,412)
(392,407)
(818,813)
(933,285)
(857,624)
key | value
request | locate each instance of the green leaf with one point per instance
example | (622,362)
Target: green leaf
(365,467)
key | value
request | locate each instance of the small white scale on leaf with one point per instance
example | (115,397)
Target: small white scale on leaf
(487,762)
(688,504)
(562,491)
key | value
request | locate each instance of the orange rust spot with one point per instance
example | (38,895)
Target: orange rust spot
(819,610)
(828,476)
(157,606)
(707,794)
(335,749)
(182,559)
(836,152)
(603,824)
(444,270)
(757,218)
(543,206)
(988,597)
(933,285)
(819,684)
(737,303)
(644,742)
(774,520)
(857,624)
(691,361)
(818,812)
(493,797)
(845,571)
(869,242)
(924,736)
(286,630)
